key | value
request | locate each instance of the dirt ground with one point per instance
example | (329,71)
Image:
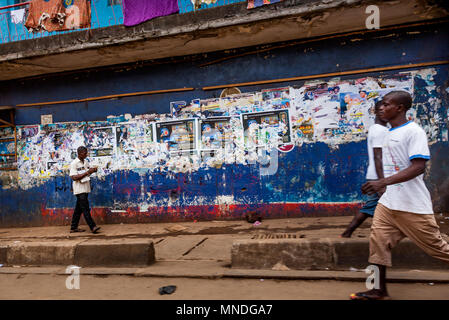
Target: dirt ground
(42,287)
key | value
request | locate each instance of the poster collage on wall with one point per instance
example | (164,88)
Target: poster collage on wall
(231,129)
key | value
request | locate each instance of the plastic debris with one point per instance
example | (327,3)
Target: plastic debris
(257,223)
(252,217)
(431,284)
(353,269)
(1,265)
(261,279)
(167,290)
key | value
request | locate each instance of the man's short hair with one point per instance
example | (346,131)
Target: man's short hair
(81,149)
(401,97)
(377,105)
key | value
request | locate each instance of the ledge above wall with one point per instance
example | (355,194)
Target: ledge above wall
(210,30)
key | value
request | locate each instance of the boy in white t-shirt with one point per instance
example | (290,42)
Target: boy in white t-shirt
(405,209)
(376,135)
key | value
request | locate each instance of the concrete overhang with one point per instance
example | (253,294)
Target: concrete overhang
(210,30)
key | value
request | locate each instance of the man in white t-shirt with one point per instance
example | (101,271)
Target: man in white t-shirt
(80,174)
(375,139)
(405,209)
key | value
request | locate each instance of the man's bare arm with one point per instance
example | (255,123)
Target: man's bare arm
(83,175)
(417,167)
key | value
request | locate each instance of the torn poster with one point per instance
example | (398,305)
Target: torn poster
(215,133)
(138,11)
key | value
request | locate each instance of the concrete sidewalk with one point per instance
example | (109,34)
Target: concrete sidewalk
(301,248)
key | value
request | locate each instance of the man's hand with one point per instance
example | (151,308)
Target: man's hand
(92,170)
(381,192)
(371,187)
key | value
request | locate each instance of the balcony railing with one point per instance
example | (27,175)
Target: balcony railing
(104,13)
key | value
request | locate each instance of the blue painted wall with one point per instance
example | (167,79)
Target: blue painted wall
(325,57)
(340,184)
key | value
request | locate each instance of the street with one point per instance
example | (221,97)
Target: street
(32,286)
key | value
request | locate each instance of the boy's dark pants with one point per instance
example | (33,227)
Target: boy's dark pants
(82,206)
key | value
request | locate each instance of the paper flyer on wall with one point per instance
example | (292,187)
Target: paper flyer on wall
(180,135)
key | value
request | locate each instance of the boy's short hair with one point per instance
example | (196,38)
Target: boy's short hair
(401,97)
(81,149)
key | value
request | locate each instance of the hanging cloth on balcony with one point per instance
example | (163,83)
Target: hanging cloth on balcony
(198,3)
(258,3)
(78,14)
(44,15)
(138,11)
(18,16)
(58,15)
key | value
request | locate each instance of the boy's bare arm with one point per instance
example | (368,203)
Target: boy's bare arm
(417,167)
(378,162)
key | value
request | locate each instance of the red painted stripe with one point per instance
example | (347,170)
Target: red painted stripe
(204,212)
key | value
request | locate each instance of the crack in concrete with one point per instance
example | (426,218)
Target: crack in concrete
(190,250)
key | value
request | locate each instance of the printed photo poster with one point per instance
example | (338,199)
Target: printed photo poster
(179,135)
(100,141)
(266,128)
(273,99)
(215,133)
(131,138)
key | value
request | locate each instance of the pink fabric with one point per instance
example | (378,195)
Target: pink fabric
(138,11)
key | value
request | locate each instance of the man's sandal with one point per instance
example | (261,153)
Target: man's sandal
(95,230)
(366,296)
(76,230)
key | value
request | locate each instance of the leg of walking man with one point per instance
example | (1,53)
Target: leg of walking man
(76,216)
(84,205)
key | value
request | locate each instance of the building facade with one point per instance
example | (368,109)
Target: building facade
(219,112)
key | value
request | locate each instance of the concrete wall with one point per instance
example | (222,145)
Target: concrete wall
(316,178)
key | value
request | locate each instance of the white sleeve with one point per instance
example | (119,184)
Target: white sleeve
(73,171)
(418,146)
(378,137)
